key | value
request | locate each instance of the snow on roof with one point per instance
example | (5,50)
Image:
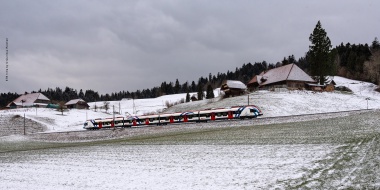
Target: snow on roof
(288,72)
(29,99)
(256,79)
(74,101)
(236,84)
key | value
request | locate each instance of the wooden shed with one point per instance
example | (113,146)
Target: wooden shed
(194,98)
(330,86)
(77,104)
(233,88)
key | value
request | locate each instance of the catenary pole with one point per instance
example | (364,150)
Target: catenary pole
(24,125)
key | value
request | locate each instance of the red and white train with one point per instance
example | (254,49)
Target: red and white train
(238,112)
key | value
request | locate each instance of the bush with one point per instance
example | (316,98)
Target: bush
(16,116)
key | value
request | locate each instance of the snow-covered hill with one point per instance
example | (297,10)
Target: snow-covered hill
(272,104)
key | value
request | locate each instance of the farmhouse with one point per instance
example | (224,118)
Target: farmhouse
(288,76)
(77,104)
(233,88)
(30,100)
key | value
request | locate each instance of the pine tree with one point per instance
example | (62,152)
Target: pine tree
(209,92)
(177,87)
(375,44)
(187,96)
(200,92)
(318,54)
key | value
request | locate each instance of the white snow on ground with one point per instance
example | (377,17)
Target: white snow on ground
(120,166)
(271,103)
(161,167)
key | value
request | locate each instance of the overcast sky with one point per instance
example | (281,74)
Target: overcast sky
(114,45)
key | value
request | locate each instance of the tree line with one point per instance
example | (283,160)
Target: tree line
(354,61)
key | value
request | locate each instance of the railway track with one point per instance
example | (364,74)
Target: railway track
(88,135)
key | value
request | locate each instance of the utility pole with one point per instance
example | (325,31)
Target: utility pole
(113,117)
(24,125)
(367,102)
(134,106)
(6,59)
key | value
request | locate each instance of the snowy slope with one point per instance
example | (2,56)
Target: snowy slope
(272,104)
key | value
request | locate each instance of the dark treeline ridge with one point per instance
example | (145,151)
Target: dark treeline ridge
(359,62)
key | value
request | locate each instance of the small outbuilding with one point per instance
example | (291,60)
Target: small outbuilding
(30,100)
(330,86)
(194,98)
(77,104)
(233,88)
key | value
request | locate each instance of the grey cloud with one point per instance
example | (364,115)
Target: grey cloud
(128,45)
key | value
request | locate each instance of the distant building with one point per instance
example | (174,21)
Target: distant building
(77,104)
(30,100)
(194,98)
(288,76)
(233,88)
(330,86)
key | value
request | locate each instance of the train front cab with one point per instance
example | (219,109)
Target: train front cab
(249,112)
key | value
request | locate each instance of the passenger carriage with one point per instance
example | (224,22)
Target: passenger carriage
(237,112)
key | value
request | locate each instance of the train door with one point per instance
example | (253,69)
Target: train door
(185,118)
(230,115)
(213,116)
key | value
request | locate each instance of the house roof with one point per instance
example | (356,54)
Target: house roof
(235,84)
(285,73)
(29,99)
(74,101)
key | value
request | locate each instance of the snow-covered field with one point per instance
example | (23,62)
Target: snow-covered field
(273,104)
(327,153)
(160,166)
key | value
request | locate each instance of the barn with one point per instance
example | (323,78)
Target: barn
(77,104)
(233,88)
(30,100)
(288,76)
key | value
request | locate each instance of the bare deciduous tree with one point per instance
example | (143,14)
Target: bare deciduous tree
(372,68)
(106,106)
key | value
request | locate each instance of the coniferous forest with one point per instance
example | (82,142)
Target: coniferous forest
(354,61)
